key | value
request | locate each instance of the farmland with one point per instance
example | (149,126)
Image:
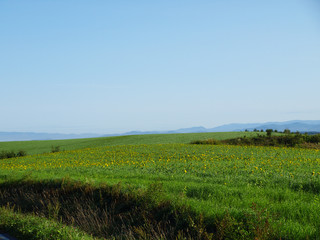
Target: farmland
(241,192)
(36,147)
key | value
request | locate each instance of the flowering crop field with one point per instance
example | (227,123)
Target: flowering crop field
(213,180)
(37,147)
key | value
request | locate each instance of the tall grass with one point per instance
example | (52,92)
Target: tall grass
(30,226)
(213,180)
(109,212)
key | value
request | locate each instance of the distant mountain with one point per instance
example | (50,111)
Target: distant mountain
(27,136)
(190,130)
(181,130)
(295,125)
(234,127)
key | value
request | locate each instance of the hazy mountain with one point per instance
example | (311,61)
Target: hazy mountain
(234,127)
(190,130)
(27,136)
(295,125)
(181,130)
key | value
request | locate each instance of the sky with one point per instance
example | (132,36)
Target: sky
(75,66)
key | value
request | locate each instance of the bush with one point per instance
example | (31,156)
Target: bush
(55,149)
(207,141)
(287,140)
(313,138)
(12,154)
(21,153)
(269,132)
(287,131)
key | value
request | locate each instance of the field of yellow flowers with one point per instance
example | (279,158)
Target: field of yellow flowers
(212,179)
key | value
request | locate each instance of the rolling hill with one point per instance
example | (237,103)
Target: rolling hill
(293,126)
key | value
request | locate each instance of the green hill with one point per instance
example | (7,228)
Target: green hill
(38,147)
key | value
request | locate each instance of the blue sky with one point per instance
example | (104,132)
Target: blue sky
(115,66)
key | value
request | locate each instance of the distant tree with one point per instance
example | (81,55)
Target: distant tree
(261,130)
(287,131)
(275,130)
(255,130)
(246,130)
(269,132)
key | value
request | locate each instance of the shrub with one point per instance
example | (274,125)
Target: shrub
(287,131)
(269,132)
(207,141)
(55,149)
(313,138)
(21,153)
(12,154)
(7,154)
(288,140)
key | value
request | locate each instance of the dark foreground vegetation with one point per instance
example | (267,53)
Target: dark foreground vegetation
(109,212)
(283,140)
(12,154)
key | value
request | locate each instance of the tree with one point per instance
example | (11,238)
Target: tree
(287,131)
(269,132)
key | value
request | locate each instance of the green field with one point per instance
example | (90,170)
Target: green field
(241,192)
(36,147)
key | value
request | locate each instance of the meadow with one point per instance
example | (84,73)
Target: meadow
(210,191)
(36,147)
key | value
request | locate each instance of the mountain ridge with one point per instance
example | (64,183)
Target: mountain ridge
(293,126)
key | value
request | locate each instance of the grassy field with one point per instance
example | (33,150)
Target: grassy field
(36,147)
(232,192)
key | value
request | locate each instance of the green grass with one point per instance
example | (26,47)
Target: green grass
(27,226)
(215,181)
(38,147)
(129,215)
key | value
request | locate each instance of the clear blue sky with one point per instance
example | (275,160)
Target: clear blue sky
(74,66)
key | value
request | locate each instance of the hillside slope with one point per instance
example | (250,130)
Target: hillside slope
(38,147)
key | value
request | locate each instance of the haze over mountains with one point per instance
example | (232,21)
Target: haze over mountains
(293,126)
(27,136)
